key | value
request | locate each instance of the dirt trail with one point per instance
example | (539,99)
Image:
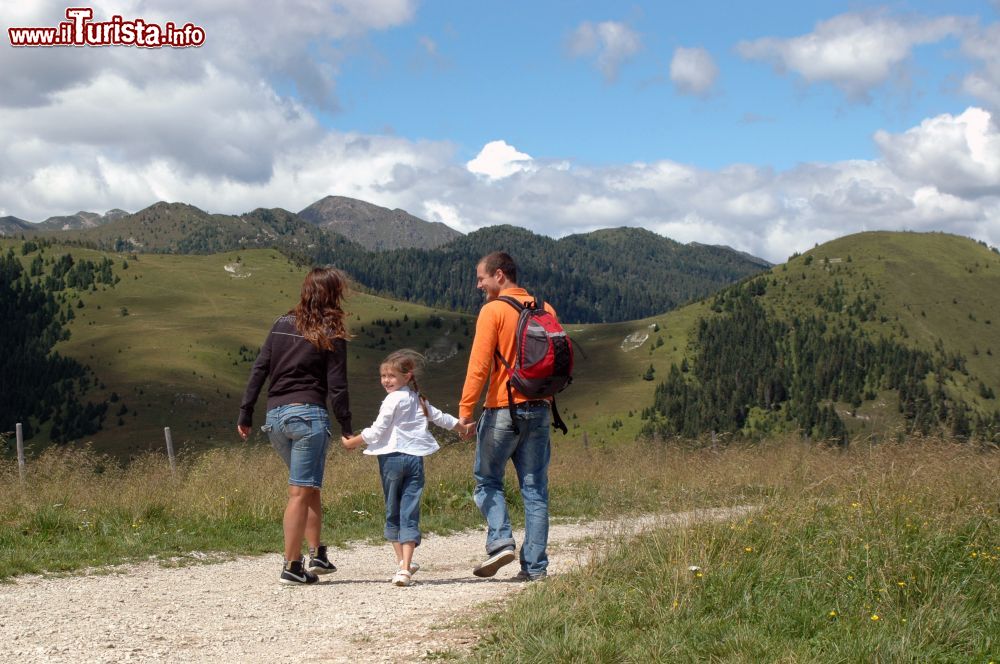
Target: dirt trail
(237,611)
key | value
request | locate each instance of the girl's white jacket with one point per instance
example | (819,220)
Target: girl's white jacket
(401,426)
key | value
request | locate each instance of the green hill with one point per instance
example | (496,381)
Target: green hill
(835,336)
(171,344)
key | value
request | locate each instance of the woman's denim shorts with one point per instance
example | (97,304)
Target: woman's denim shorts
(300,434)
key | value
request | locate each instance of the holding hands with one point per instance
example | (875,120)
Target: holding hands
(466,428)
(352,442)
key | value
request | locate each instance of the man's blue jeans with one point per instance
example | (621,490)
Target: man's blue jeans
(530,451)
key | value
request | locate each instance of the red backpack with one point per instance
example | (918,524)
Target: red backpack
(543,357)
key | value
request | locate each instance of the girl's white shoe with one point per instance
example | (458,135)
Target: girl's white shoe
(414,567)
(402,578)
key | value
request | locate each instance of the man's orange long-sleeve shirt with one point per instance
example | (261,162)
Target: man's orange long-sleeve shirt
(496,329)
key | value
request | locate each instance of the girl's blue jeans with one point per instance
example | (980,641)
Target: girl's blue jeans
(402,484)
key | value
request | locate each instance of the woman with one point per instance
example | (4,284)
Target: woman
(305,358)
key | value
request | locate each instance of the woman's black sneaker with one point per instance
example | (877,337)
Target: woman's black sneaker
(319,563)
(295,574)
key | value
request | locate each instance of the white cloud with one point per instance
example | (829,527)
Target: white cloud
(446,214)
(855,52)
(693,71)
(130,123)
(498,160)
(278,40)
(957,154)
(611,44)
(981,45)
(768,213)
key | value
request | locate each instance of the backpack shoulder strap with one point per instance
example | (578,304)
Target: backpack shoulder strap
(519,308)
(512,302)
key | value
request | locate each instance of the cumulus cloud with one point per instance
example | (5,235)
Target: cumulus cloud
(693,71)
(276,40)
(106,122)
(854,52)
(957,154)
(498,160)
(766,212)
(610,43)
(981,46)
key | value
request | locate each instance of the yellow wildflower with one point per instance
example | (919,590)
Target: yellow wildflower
(875,617)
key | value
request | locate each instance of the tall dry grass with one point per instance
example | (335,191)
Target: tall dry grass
(78,508)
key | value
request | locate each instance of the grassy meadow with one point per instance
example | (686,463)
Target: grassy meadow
(876,553)
(167,339)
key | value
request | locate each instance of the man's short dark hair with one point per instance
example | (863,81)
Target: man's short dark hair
(498,260)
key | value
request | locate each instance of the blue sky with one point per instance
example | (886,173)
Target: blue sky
(764,126)
(502,70)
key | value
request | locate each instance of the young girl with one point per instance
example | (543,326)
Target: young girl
(400,439)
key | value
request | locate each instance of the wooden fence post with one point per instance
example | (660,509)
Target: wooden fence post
(170,449)
(20,451)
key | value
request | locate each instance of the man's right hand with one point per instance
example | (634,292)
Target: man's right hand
(468,428)
(243,430)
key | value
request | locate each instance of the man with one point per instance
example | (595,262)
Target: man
(499,438)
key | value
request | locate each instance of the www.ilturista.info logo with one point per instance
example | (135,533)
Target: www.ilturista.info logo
(80,30)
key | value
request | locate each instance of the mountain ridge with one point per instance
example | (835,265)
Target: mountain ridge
(374,227)
(604,275)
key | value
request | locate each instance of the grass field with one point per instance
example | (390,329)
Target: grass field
(78,508)
(884,553)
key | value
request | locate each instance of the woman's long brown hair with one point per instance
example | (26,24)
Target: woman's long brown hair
(319,316)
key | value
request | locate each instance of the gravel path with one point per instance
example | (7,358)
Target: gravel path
(236,610)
